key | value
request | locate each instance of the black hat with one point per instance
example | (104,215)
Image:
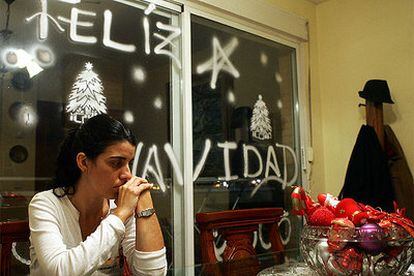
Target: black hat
(376,91)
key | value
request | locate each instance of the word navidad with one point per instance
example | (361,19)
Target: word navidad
(271,166)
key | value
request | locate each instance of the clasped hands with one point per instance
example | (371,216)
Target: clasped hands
(133,197)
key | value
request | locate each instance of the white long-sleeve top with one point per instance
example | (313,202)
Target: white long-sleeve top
(56,246)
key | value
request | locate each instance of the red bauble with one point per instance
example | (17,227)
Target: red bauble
(343,222)
(360,218)
(347,262)
(312,209)
(299,201)
(341,231)
(327,200)
(346,208)
(322,216)
(322,198)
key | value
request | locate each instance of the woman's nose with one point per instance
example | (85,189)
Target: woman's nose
(126,173)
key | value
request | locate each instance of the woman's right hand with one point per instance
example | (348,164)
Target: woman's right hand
(128,196)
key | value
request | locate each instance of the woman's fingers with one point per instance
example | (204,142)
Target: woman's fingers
(129,194)
(136,185)
(141,180)
(135,181)
(130,182)
(144,186)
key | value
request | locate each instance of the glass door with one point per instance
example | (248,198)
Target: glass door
(245,128)
(123,56)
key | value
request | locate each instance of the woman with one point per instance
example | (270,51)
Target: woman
(74,228)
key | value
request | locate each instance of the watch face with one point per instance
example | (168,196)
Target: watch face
(146,212)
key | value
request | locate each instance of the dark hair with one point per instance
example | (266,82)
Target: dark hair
(91,138)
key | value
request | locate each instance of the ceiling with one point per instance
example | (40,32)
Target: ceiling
(317,1)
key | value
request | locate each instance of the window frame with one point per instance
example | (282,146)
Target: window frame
(301,115)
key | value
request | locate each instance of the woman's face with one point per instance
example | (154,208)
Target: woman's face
(110,169)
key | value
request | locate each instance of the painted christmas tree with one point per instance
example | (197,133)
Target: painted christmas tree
(86,98)
(260,123)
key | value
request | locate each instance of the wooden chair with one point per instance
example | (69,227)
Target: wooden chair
(237,227)
(11,231)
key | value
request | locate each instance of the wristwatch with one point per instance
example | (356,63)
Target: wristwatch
(145,213)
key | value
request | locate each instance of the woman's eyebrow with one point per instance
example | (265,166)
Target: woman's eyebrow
(117,157)
(120,157)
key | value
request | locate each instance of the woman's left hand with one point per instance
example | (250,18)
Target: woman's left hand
(144,201)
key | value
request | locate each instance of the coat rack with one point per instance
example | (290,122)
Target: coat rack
(375,93)
(375,119)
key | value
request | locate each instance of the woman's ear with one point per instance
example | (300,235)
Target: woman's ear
(81,161)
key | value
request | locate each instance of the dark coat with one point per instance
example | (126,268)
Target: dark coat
(368,178)
(401,177)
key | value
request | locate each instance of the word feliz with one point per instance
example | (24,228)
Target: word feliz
(219,61)
(272,170)
(43,29)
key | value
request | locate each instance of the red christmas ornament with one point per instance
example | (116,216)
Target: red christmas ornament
(342,230)
(350,261)
(344,222)
(312,209)
(327,200)
(346,208)
(360,218)
(322,216)
(299,201)
(302,204)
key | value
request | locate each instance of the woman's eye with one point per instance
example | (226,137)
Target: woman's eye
(116,164)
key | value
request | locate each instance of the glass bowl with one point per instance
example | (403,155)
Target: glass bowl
(365,251)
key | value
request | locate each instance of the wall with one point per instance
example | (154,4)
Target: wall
(350,42)
(360,40)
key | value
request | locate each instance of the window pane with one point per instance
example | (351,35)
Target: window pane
(244,97)
(53,56)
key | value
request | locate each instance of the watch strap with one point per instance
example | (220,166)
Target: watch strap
(145,213)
